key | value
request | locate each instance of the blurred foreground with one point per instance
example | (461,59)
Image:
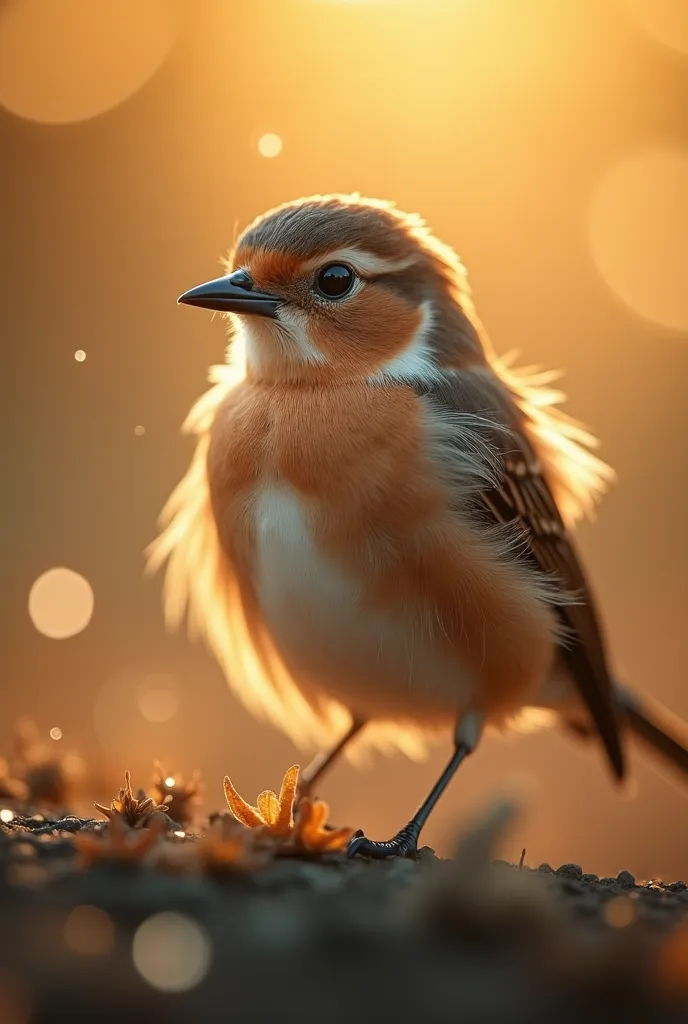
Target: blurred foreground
(152,914)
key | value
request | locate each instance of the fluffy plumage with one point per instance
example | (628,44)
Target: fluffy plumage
(376,518)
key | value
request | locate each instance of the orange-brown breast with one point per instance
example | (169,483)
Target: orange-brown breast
(360,458)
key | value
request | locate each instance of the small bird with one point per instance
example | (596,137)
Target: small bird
(374,533)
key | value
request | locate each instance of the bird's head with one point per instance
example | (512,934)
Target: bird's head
(342,288)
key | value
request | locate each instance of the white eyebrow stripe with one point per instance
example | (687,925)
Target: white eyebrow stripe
(362,261)
(296,324)
(416,363)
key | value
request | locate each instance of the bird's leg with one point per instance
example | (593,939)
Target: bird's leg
(323,761)
(405,842)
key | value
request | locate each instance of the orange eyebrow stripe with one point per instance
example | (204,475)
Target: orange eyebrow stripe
(271,266)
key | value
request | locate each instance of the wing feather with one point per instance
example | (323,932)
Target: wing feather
(523,499)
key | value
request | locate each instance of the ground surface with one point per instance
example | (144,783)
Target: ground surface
(323,938)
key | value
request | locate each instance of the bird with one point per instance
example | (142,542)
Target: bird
(375,532)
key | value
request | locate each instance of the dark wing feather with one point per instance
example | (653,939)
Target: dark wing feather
(523,497)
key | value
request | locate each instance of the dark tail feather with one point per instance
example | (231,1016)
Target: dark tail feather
(662,731)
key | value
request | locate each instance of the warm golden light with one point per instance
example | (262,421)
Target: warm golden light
(158,697)
(68,60)
(664,20)
(56,733)
(269,145)
(6,815)
(170,782)
(60,603)
(638,232)
(513,127)
(171,952)
(89,931)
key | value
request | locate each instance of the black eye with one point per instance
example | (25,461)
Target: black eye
(334,281)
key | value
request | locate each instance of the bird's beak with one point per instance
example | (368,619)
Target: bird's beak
(233,293)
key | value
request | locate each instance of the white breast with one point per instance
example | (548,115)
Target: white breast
(378,664)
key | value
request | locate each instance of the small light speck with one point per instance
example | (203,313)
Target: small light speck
(270,145)
(79,355)
(56,733)
(170,781)
(139,430)
(180,835)
(6,815)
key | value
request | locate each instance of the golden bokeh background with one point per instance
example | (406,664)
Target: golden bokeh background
(548,142)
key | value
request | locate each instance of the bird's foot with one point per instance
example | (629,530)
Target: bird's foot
(404,844)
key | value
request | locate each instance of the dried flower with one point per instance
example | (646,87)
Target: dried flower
(118,843)
(180,797)
(274,814)
(310,832)
(136,811)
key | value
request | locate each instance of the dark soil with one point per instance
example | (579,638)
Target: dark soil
(468,939)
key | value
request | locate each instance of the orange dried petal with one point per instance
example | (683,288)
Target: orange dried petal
(242,811)
(336,839)
(285,818)
(319,816)
(312,816)
(312,834)
(269,807)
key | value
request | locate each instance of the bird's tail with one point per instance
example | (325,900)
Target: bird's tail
(663,732)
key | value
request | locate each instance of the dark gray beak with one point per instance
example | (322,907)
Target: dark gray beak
(234,293)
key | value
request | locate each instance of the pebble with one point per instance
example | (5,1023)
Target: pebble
(546,869)
(626,879)
(426,853)
(590,878)
(570,871)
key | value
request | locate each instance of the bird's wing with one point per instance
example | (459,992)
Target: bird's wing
(522,498)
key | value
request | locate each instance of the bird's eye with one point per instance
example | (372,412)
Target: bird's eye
(334,281)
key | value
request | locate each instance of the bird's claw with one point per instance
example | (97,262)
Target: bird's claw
(404,844)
